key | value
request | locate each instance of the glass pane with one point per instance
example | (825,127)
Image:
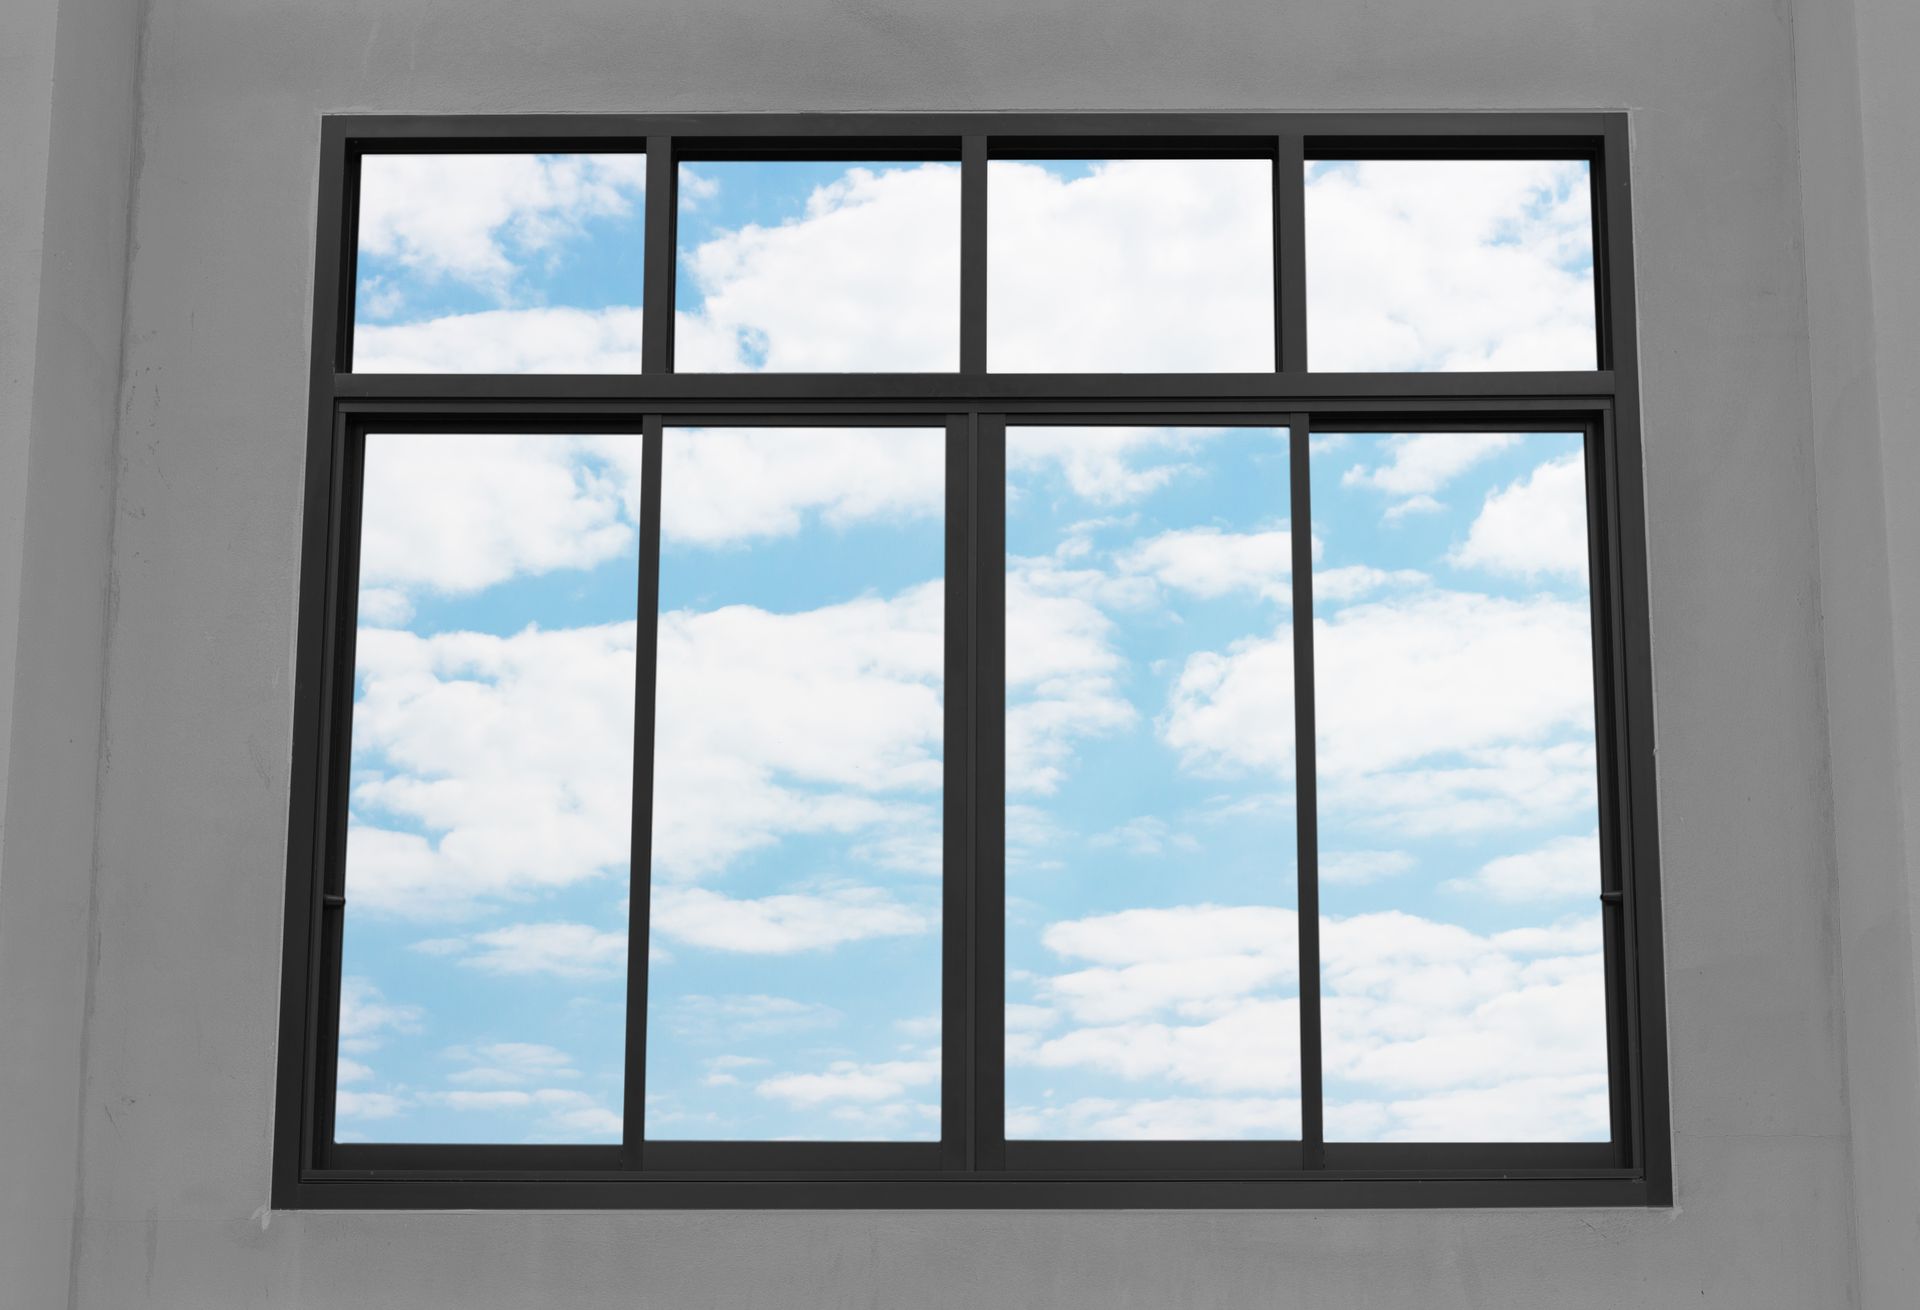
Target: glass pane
(1130,266)
(794,989)
(484,973)
(499,264)
(1464,997)
(1152,949)
(1420,265)
(801,267)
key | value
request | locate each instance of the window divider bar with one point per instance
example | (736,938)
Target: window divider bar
(957,919)
(646,643)
(657,267)
(990,791)
(1306,799)
(1290,253)
(973,254)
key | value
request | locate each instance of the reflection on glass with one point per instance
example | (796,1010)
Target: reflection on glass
(1130,266)
(516,263)
(1459,868)
(1152,949)
(485,948)
(807,267)
(1419,265)
(794,985)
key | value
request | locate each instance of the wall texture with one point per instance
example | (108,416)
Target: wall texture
(177,1087)
(67,110)
(1858,112)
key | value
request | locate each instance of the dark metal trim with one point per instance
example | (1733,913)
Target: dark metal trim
(973,1165)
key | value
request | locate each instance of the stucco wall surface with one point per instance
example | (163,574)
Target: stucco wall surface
(180,1057)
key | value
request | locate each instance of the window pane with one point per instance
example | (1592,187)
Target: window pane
(499,264)
(1419,265)
(794,989)
(792,266)
(1152,949)
(1464,998)
(1130,266)
(484,973)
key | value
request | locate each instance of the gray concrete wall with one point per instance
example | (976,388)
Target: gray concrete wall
(1859,114)
(65,158)
(178,1081)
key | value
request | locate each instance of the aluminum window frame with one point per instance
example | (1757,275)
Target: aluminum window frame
(972,1165)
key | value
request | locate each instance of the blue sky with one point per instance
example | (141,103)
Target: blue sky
(794,967)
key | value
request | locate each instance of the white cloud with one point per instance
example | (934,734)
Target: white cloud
(1534,527)
(1450,264)
(784,923)
(1425,1023)
(350,1071)
(1352,581)
(1358,868)
(849,1080)
(827,720)
(456,513)
(1062,669)
(574,951)
(510,1064)
(867,279)
(1553,1109)
(1441,711)
(366,1017)
(732,1018)
(367,1105)
(1252,1046)
(564,1113)
(1146,835)
(1176,1118)
(478,218)
(1209,563)
(731,485)
(516,750)
(534,339)
(1154,265)
(1563,868)
(1107,465)
(1418,465)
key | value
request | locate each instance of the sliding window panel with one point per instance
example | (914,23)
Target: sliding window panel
(489,805)
(1463,972)
(795,961)
(1152,946)
(800,266)
(499,263)
(1130,265)
(1428,265)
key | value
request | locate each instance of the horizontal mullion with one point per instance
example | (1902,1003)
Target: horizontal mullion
(974,1192)
(404,131)
(725,388)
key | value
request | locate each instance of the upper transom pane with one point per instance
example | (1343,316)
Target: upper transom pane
(1130,266)
(803,266)
(499,263)
(1449,265)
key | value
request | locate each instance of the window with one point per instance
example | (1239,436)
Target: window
(955,661)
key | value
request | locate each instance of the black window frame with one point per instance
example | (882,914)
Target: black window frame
(973,1166)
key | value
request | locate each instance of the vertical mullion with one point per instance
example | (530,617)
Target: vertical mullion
(989,791)
(646,645)
(657,268)
(343,604)
(973,254)
(1290,253)
(956,865)
(1601,607)
(1646,1014)
(1306,820)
